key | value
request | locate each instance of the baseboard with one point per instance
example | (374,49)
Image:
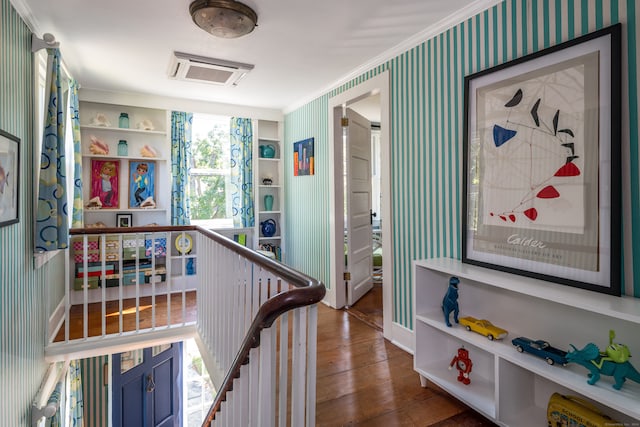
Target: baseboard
(402,337)
(56,320)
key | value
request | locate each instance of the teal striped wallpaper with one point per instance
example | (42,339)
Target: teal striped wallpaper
(22,288)
(95,391)
(426,135)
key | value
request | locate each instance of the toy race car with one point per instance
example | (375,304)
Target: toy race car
(541,349)
(483,327)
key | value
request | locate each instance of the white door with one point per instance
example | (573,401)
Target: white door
(358,207)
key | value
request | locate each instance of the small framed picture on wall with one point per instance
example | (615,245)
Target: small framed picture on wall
(9,176)
(124,220)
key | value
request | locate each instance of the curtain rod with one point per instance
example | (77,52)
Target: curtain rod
(48,40)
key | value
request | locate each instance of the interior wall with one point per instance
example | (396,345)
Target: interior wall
(95,392)
(427,101)
(23,304)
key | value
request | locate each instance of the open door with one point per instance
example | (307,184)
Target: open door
(359,259)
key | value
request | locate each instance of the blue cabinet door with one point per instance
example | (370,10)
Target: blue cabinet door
(146,387)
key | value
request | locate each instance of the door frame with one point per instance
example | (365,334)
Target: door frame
(336,294)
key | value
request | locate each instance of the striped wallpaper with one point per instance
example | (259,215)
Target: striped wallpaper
(95,391)
(426,135)
(22,288)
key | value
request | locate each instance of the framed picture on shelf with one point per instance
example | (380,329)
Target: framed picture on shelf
(124,220)
(9,178)
(542,164)
(142,184)
(104,184)
(303,157)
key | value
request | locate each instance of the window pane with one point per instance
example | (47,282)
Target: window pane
(210,169)
(131,359)
(208,197)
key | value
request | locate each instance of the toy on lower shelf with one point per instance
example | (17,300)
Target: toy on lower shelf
(541,349)
(463,365)
(450,301)
(614,362)
(483,327)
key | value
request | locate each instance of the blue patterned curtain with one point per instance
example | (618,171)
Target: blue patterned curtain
(180,164)
(77,217)
(52,223)
(76,401)
(242,172)
(55,399)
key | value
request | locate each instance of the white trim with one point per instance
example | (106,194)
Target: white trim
(56,319)
(336,294)
(27,15)
(182,104)
(100,345)
(439,27)
(403,338)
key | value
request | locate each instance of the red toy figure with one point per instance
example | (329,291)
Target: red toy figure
(463,364)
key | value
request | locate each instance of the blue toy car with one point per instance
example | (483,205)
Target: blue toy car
(541,349)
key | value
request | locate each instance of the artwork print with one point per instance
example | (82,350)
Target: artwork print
(533,151)
(104,183)
(539,165)
(142,184)
(9,175)
(303,160)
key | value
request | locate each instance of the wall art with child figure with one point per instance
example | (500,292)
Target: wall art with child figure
(142,184)
(104,182)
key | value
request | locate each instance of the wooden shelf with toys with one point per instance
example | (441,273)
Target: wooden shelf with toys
(125,151)
(507,386)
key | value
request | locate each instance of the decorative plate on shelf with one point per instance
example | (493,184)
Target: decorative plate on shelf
(184,243)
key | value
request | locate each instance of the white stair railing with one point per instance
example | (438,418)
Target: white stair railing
(258,321)
(122,275)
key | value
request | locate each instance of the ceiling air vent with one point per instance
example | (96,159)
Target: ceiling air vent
(201,69)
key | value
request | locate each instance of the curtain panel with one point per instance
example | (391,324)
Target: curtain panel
(180,164)
(242,172)
(52,223)
(77,220)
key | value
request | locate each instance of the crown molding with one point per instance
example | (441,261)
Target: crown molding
(27,16)
(430,32)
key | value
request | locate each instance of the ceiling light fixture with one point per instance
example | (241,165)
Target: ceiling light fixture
(223,18)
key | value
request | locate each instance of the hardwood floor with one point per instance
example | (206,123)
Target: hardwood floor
(369,307)
(76,322)
(364,380)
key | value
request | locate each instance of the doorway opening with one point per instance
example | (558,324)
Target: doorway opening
(375,94)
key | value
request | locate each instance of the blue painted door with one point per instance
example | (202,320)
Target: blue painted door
(146,387)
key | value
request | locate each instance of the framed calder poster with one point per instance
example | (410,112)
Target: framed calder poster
(542,164)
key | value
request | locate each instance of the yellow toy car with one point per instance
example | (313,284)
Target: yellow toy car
(483,327)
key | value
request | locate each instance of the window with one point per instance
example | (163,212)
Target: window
(210,174)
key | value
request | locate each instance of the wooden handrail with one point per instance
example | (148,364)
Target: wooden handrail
(307,291)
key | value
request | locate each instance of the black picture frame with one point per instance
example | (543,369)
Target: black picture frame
(9,179)
(541,185)
(124,220)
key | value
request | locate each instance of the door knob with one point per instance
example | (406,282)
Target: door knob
(150,384)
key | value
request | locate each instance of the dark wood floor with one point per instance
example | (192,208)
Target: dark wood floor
(364,380)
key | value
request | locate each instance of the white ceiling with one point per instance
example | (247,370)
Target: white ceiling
(300,47)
